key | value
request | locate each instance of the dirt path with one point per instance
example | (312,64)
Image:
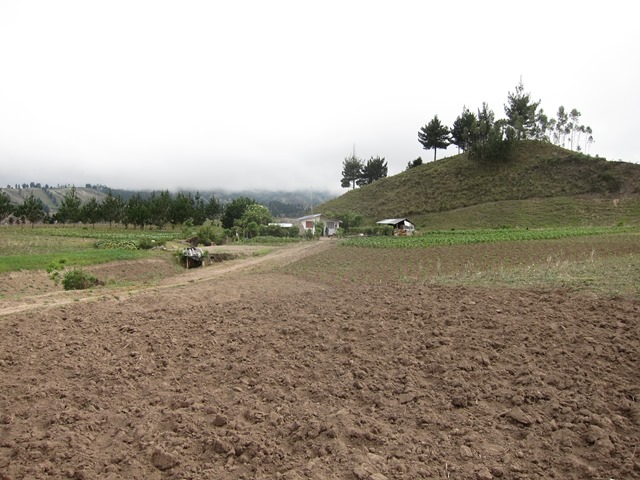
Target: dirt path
(281,255)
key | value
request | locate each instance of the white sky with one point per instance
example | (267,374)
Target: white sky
(274,94)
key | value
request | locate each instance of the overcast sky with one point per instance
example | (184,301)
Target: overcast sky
(275,94)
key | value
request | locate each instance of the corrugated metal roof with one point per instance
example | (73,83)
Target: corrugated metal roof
(393,221)
(309,217)
(316,215)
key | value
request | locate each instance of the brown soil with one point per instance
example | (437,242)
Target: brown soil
(238,370)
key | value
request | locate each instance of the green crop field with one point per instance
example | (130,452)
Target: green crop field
(465,237)
(35,248)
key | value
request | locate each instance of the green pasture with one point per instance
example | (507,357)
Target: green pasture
(35,248)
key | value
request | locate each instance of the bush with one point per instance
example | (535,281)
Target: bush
(78,279)
(278,231)
(208,234)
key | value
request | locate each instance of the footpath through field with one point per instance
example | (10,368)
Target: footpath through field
(281,255)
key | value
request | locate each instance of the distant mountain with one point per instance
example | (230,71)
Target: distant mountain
(280,203)
(542,184)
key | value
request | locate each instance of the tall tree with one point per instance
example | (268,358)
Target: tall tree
(490,140)
(32,209)
(6,208)
(543,126)
(434,135)
(90,211)
(70,207)
(254,216)
(562,121)
(137,211)
(112,208)
(521,113)
(159,207)
(181,208)
(235,209)
(351,171)
(588,139)
(199,210)
(462,128)
(374,169)
(213,208)
(573,126)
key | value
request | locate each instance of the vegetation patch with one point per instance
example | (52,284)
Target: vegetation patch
(606,264)
(463,237)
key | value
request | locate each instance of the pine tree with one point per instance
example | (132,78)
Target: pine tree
(434,135)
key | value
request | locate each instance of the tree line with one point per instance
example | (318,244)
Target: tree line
(356,172)
(159,209)
(243,217)
(489,139)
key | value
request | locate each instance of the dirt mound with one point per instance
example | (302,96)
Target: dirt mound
(266,375)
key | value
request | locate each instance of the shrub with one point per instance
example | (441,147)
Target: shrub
(78,279)
(209,234)
(146,243)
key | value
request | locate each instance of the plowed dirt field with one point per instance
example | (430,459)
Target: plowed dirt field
(244,370)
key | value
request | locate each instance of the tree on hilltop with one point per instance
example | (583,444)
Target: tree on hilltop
(351,171)
(434,135)
(374,169)
(521,113)
(462,128)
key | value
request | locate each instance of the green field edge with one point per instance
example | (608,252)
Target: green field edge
(466,237)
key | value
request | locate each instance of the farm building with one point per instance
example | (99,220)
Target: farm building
(309,222)
(401,226)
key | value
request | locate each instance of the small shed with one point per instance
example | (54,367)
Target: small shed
(401,226)
(309,222)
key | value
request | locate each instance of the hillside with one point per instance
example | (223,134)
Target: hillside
(542,185)
(51,197)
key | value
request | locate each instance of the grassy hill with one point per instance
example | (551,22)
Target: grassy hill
(51,197)
(542,185)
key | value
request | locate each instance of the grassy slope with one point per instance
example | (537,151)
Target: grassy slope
(18,196)
(543,185)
